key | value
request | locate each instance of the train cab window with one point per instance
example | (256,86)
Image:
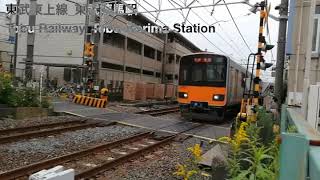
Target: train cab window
(197,74)
(215,72)
(203,70)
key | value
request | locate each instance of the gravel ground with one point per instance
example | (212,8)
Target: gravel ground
(25,152)
(159,165)
(12,123)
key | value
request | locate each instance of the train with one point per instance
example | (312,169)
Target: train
(210,85)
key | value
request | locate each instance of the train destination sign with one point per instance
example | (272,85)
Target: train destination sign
(202,60)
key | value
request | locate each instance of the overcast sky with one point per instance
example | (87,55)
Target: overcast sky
(226,37)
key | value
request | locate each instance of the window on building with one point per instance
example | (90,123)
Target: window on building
(178,59)
(76,73)
(158,74)
(134,46)
(159,55)
(169,76)
(112,66)
(146,72)
(170,58)
(133,70)
(316,30)
(67,74)
(149,52)
(114,39)
(176,77)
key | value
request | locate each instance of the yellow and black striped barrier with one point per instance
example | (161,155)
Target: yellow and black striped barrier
(90,101)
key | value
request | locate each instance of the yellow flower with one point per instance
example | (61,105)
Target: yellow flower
(189,174)
(276,129)
(182,172)
(239,137)
(196,151)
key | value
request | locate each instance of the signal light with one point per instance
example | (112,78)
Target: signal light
(265,66)
(89,49)
(267,47)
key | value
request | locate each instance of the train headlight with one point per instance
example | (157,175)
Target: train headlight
(218,97)
(183,95)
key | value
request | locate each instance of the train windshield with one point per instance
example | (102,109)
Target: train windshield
(203,70)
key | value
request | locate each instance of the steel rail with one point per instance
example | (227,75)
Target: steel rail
(6,139)
(164,112)
(38,127)
(108,165)
(26,170)
(111,164)
(155,111)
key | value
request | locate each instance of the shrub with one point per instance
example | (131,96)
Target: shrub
(257,155)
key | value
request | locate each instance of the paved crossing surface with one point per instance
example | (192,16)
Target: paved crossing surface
(207,131)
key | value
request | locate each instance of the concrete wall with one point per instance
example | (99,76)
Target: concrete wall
(298,47)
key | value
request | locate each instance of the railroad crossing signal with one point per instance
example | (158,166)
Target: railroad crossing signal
(89,50)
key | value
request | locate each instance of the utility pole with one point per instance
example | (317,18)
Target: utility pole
(281,51)
(30,40)
(16,41)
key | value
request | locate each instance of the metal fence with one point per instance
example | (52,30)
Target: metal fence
(300,147)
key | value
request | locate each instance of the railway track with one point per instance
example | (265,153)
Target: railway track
(15,134)
(159,112)
(91,162)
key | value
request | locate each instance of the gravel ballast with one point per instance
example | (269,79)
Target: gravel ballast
(21,153)
(159,165)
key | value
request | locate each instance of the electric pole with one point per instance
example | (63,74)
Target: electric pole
(16,41)
(281,51)
(30,41)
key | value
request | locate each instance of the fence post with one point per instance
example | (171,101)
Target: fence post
(293,156)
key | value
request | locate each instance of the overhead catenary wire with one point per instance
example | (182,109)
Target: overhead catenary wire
(216,32)
(234,22)
(223,30)
(190,23)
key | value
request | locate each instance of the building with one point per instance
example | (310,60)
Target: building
(122,56)
(138,57)
(297,47)
(58,40)
(6,40)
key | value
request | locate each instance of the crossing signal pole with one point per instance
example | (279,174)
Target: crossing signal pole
(254,100)
(89,54)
